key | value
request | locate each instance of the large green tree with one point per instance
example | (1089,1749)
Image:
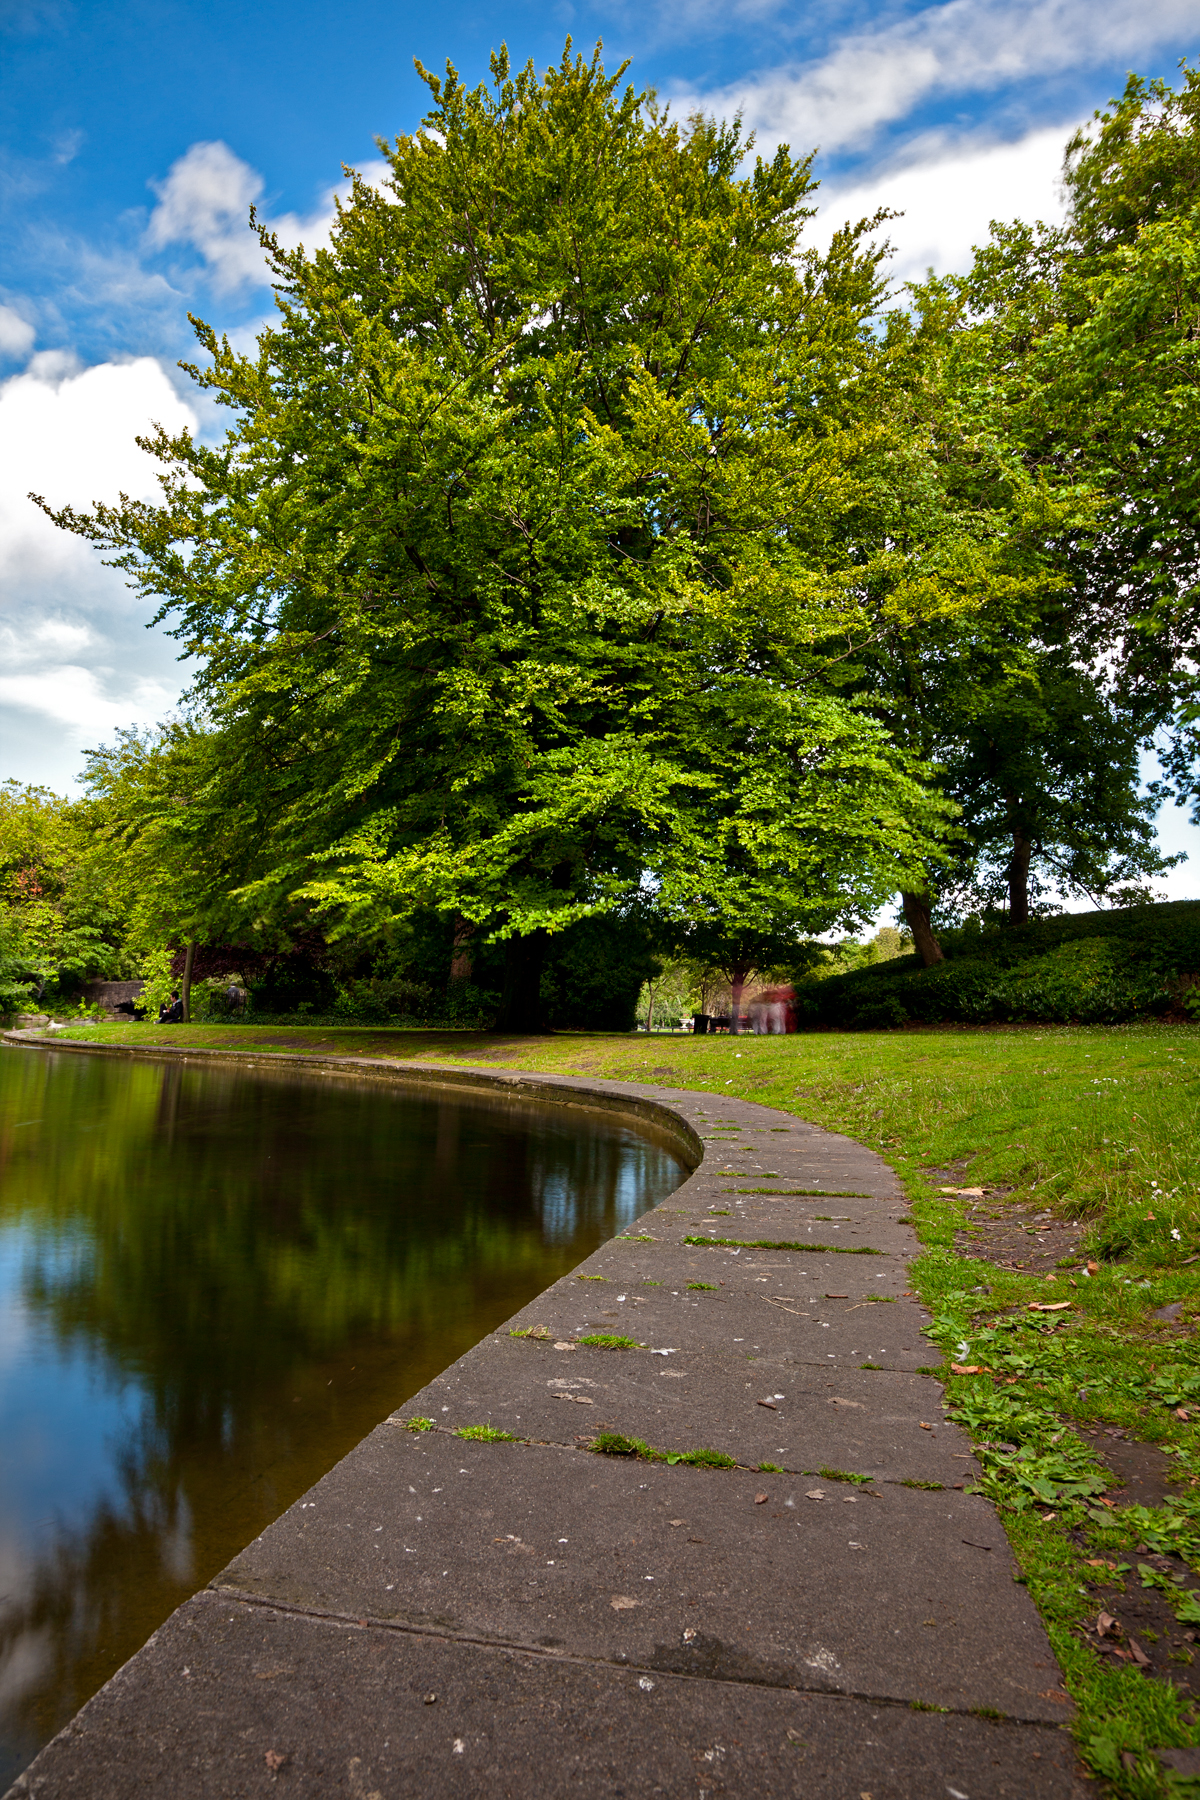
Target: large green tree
(523,581)
(1078,347)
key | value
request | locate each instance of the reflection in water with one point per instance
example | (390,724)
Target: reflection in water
(212,1284)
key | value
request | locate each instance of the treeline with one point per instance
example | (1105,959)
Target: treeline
(588,555)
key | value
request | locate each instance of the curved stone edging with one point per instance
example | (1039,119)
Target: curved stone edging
(614,1097)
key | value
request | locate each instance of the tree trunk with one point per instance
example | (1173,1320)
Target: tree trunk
(650,1010)
(462,960)
(1018,878)
(185,992)
(521,1001)
(737,987)
(917,908)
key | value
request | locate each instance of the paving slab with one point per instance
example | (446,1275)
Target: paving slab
(660,1263)
(244,1702)
(799,1416)
(793,1317)
(669,1228)
(906,1596)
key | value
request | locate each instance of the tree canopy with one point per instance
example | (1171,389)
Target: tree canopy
(583,541)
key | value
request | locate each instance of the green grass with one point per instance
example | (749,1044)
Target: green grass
(785,1244)
(806,1193)
(1099,1124)
(709,1287)
(487,1434)
(607,1340)
(615,1443)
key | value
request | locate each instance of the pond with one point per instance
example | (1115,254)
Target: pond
(213,1282)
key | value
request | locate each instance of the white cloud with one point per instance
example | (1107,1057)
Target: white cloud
(89,701)
(16,334)
(876,77)
(68,433)
(74,659)
(949,199)
(205,201)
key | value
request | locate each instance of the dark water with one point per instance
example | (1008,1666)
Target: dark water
(212,1284)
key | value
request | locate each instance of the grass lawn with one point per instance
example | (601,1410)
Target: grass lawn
(1085,1143)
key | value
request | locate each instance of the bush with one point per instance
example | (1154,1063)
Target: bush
(1089,968)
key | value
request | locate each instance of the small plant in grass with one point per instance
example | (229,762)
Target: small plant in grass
(609,1340)
(487,1434)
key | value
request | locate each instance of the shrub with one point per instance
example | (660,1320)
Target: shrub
(1089,968)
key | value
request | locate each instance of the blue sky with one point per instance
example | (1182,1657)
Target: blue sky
(133,139)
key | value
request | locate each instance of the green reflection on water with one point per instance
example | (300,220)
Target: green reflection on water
(213,1282)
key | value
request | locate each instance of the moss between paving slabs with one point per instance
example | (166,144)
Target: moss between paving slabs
(1095,1125)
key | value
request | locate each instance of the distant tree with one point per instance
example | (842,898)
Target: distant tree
(61,918)
(1079,347)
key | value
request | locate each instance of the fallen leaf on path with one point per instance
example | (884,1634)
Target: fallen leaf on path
(967,1369)
(1048,1305)
(1107,1626)
(565,1346)
(925,1427)
(1138,1654)
(1093,1268)
(814,1494)
(760,1499)
(274,1759)
(623,1603)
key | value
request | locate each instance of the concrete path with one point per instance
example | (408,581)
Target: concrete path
(525,1617)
